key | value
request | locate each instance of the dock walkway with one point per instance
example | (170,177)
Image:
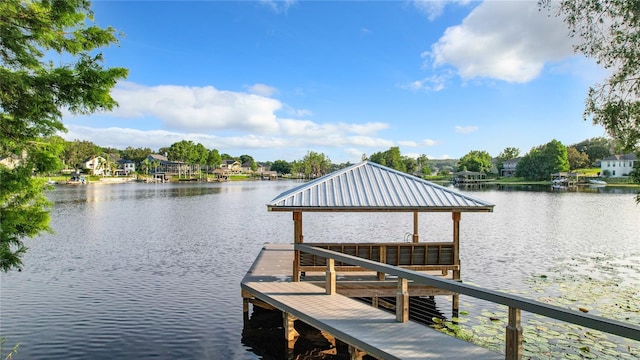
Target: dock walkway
(355,323)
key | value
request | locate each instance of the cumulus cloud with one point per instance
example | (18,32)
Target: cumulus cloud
(429,142)
(466,129)
(505,40)
(434,8)
(197,108)
(262,90)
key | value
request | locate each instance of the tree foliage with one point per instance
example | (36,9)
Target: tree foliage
(543,161)
(609,32)
(475,160)
(597,148)
(577,159)
(390,158)
(281,167)
(313,165)
(33,94)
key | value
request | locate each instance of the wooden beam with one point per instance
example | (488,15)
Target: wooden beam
(290,333)
(402,300)
(297,239)
(513,335)
(330,278)
(416,237)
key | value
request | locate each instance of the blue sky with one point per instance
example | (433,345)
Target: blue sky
(276,79)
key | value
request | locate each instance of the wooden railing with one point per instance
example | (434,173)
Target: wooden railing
(513,346)
(414,256)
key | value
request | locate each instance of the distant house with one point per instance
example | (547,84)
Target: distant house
(10,161)
(231,166)
(509,167)
(96,165)
(618,165)
(126,167)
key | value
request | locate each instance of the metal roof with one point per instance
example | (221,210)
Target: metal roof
(369,186)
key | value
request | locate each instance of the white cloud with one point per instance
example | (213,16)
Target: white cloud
(262,90)
(434,8)
(408,143)
(466,129)
(197,108)
(505,40)
(429,142)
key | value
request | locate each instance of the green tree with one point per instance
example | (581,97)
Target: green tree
(213,158)
(476,160)
(609,32)
(136,155)
(577,159)
(33,93)
(75,152)
(281,166)
(390,158)
(596,148)
(543,161)
(315,164)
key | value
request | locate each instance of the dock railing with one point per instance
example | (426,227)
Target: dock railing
(516,304)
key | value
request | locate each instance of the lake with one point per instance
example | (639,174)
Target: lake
(153,271)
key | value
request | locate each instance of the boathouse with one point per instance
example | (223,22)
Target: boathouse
(367,187)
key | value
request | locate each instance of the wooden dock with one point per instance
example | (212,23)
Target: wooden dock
(364,328)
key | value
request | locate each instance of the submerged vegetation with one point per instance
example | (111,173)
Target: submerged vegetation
(602,285)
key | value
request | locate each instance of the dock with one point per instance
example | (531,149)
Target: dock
(363,327)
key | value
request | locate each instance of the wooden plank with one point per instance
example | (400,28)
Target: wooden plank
(362,326)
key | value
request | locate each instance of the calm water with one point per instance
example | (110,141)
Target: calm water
(152,271)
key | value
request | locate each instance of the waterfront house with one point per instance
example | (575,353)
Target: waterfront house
(509,167)
(231,166)
(96,165)
(618,165)
(125,167)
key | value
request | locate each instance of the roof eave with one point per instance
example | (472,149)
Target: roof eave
(380,209)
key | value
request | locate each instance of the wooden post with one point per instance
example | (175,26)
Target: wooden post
(455,303)
(513,336)
(382,259)
(290,333)
(416,237)
(330,277)
(355,353)
(297,239)
(402,300)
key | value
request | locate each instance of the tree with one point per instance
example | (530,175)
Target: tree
(543,161)
(281,166)
(609,32)
(315,164)
(596,148)
(475,160)
(390,158)
(214,159)
(577,159)
(33,93)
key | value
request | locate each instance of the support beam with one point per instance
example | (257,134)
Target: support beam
(355,353)
(416,238)
(513,341)
(290,333)
(402,300)
(330,278)
(455,303)
(297,239)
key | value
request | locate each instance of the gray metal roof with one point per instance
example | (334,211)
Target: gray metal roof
(372,187)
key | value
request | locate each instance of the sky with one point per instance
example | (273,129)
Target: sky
(277,79)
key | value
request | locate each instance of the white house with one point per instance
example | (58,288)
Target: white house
(509,167)
(126,167)
(618,165)
(96,165)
